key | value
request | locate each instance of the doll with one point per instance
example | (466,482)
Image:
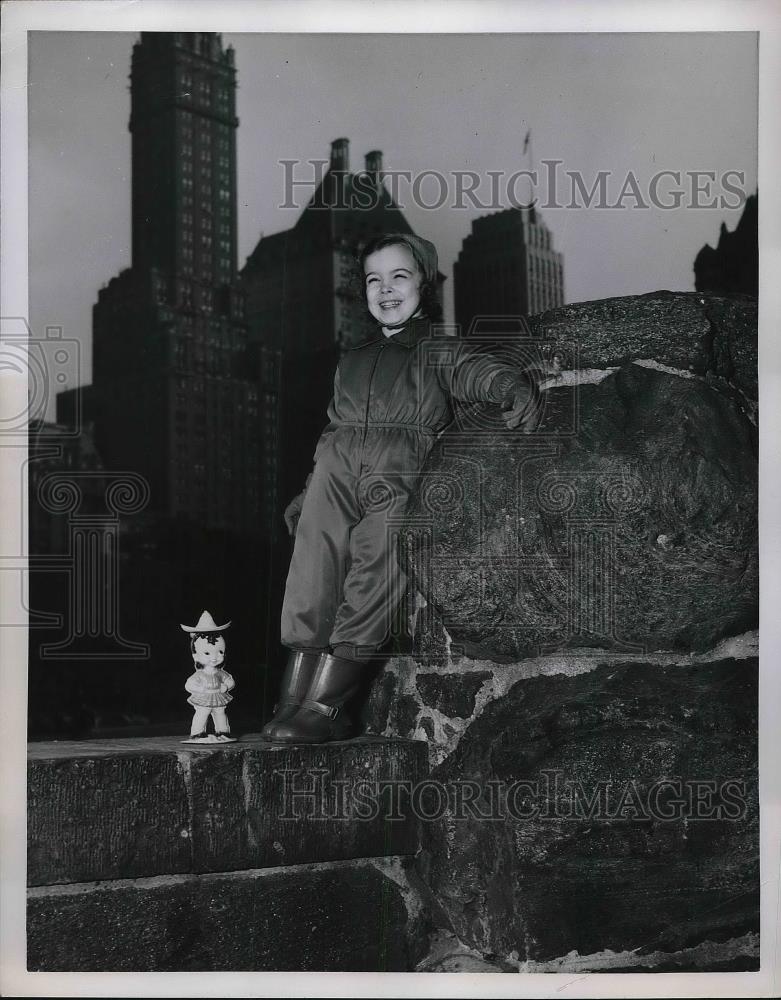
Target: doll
(210,684)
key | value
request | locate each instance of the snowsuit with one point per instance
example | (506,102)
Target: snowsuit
(391,398)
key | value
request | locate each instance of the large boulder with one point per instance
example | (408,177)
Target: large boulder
(627,520)
(611,810)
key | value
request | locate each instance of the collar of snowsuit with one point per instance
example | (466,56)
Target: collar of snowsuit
(412,333)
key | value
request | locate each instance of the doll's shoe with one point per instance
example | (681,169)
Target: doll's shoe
(321,717)
(298,676)
(225,738)
(197,737)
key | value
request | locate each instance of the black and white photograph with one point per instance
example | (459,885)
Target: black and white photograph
(381,487)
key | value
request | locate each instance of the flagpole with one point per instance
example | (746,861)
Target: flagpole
(527,145)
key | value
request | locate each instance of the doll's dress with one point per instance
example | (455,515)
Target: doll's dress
(208,694)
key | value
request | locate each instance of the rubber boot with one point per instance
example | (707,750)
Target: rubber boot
(321,717)
(296,679)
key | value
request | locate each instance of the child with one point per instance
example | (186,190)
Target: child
(391,398)
(210,684)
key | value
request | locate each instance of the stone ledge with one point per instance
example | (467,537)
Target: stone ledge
(351,916)
(131,808)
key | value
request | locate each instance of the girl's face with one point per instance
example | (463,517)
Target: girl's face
(210,654)
(392,285)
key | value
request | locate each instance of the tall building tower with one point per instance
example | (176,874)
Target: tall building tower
(507,267)
(304,306)
(733,265)
(171,397)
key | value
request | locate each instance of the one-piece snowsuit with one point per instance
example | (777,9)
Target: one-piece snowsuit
(392,395)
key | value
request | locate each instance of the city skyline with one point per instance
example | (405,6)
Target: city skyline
(426,111)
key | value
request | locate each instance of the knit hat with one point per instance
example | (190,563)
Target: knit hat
(425,253)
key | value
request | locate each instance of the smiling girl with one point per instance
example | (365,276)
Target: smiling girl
(392,396)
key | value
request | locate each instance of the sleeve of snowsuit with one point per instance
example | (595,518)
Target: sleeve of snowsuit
(476,376)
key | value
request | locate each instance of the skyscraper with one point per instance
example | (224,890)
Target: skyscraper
(507,267)
(171,395)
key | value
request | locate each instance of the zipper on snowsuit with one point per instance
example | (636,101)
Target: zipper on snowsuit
(369,394)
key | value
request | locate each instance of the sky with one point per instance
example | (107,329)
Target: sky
(620,103)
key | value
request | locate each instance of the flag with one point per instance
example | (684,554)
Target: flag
(526,140)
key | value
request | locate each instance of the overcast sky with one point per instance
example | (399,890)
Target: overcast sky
(618,103)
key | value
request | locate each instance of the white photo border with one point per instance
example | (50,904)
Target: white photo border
(347,16)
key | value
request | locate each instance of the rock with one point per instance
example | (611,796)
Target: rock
(736,955)
(624,814)
(708,334)
(351,916)
(403,714)
(627,521)
(374,712)
(451,694)
(447,954)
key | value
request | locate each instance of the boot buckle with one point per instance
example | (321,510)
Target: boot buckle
(330,711)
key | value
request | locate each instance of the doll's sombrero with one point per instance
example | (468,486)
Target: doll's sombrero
(205,624)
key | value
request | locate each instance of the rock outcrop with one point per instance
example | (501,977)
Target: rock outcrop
(583,663)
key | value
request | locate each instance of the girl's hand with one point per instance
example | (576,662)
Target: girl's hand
(524,410)
(293,512)
(521,401)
